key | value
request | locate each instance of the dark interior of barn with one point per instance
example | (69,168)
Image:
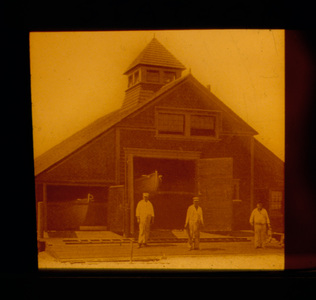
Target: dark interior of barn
(175,192)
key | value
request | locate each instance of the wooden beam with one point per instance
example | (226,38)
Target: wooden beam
(175,193)
(252,161)
(159,153)
(130,189)
(96,183)
(45,206)
(117,155)
(40,220)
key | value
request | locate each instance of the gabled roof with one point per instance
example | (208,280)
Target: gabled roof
(155,54)
(101,125)
(266,154)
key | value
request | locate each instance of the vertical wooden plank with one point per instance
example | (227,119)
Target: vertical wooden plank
(130,189)
(45,205)
(117,156)
(216,179)
(116,208)
(252,173)
(187,122)
(196,177)
(40,220)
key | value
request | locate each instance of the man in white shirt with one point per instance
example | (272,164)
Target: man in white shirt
(193,223)
(145,217)
(259,219)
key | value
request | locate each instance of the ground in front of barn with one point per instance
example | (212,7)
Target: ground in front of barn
(216,253)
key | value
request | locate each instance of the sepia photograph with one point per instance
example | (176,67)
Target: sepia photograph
(159,149)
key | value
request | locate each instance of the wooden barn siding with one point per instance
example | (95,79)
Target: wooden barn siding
(38,198)
(269,175)
(269,172)
(135,94)
(115,216)
(93,162)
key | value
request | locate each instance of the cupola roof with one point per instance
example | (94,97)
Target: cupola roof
(155,54)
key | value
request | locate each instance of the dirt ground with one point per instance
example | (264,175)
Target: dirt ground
(225,262)
(167,256)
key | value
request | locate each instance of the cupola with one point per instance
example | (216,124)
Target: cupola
(154,67)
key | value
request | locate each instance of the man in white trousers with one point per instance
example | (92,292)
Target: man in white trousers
(193,223)
(259,219)
(145,217)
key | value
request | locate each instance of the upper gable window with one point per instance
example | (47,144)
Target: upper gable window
(152,76)
(201,125)
(187,123)
(169,123)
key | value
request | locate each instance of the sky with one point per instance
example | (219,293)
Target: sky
(77,77)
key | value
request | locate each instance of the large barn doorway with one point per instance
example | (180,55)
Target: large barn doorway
(175,191)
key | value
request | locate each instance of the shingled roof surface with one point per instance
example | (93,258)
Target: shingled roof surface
(155,54)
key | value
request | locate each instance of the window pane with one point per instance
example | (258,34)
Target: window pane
(276,200)
(202,125)
(168,77)
(136,77)
(152,76)
(170,123)
(130,80)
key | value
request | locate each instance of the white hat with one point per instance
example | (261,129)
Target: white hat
(196,199)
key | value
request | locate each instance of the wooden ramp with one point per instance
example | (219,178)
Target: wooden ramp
(156,236)
(106,245)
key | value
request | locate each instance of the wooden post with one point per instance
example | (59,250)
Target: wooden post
(131,259)
(45,205)
(252,160)
(130,189)
(40,220)
(117,156)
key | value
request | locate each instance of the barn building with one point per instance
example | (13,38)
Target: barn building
(171,124)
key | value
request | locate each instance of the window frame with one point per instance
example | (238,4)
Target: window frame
(153,71)
(165,77)
(130,80)
(187,123)
(134,78)
(278,211)
(180,133)
(205,129)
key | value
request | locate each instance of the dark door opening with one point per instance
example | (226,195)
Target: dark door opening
(67,208)
(175,192)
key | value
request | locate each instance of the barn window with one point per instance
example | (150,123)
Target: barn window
(275,204)
(202,125)
(187,123)
(152,76)
(169,123)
